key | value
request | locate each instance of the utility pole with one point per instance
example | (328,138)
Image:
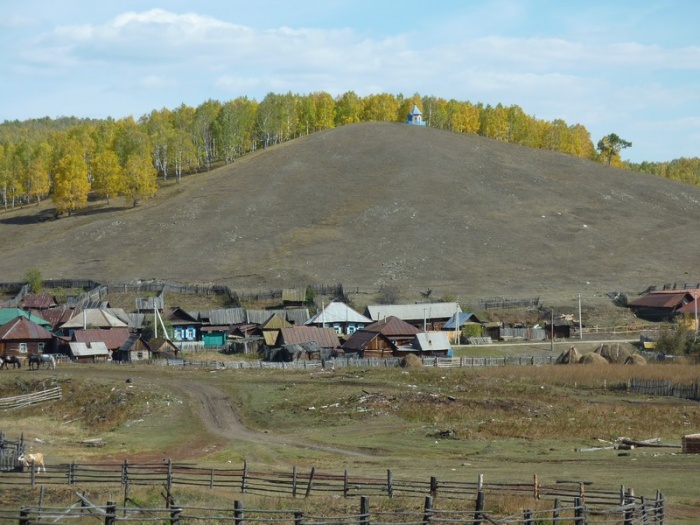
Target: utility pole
(551,335)
(580,325)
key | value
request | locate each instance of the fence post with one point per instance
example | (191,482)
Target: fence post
(527,517)
(244,481)
(578,512)
(33,475)
(311,481)
(536,488)
(24,516)
(433,486)
(479,509)
(294,481)
(629,507)
(110,513)
(427,510)
(389,484)
(555,511)
(71,473)
(298,517)
(169,480)
(364,510)
(659,508)
(345,483)
(238,512)
(645,518)
(175,515)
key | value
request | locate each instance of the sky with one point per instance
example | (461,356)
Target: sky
(615,66)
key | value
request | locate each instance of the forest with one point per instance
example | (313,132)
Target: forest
(71,160)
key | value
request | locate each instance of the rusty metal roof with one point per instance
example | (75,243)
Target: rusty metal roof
(393,327)
(113,338)
(22,329)
(662,300)
(39,301)
(323,337)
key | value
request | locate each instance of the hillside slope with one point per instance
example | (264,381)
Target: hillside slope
(374,203)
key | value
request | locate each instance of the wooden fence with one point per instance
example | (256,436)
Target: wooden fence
(50,394)
(303,483)
(575,513)
(664,387)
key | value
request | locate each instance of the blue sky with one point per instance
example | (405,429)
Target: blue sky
(625,67)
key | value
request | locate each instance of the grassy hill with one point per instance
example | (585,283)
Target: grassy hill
(381,203)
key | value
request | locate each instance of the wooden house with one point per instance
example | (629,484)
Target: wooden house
(429,344)
(133,350)
(365,344)
(293,297)
(399,332)
(426,316)
(163,348)
(95,352)
(324,338)
(186,327)
(661,305)
(113,338)
(271,328)
(458,322)
(39,301)
(216,325)
(340,317)
(21,337)
(92,318)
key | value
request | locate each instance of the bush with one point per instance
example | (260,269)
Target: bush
(34,279)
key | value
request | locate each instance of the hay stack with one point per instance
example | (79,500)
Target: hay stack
(411,361)
(613,353)
(636,359)
(568,357)
(593,359)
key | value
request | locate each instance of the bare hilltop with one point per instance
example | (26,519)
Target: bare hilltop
(376,203)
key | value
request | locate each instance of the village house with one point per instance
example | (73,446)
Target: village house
(661,305)
(340,317)
(21,337)
(426,316)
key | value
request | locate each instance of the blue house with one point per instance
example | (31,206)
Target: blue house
(415,117)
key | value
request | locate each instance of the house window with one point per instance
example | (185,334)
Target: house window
(139,355)
(179,333)
(40,347)
(351,329)
(23,348)
(338,329)
(190,333)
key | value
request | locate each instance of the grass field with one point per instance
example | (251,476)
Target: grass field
(508,423)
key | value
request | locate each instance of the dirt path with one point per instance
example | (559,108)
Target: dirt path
(219,417)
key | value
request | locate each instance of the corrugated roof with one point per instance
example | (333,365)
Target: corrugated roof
(222,316)
(93,318)
(275,322)
(39,301)
(337,312)
(297,316)
(662,300)
(7,314)
(57,316)
(260,316)
(360,339)
(432,341)
(412,312)
(393,327)
(87,350)
(323,337)
(22,329)
(112,338)
(464,317)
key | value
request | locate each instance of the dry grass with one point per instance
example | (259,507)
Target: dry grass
(292,215)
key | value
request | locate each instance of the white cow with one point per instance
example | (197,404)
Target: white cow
(33,459)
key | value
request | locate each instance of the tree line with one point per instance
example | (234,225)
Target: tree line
(70,159)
